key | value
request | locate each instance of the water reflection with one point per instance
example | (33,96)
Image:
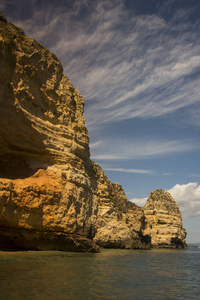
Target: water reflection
(112,274)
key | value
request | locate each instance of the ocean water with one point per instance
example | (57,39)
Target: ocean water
(111,274)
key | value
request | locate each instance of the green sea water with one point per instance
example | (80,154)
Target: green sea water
(111,274)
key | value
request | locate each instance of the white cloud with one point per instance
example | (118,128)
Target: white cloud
(121,149)
(188,198)
(139,201)
(124,170)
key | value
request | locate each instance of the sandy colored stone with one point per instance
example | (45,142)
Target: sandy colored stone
(52,196)
(47,178)
(119,221)
(40,108)
(163,221)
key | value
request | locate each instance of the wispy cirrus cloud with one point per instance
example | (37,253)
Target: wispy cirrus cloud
(125,170)
(195,175)
(121,149)
(125,64)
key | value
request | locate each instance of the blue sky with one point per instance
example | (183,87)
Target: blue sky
(137,65)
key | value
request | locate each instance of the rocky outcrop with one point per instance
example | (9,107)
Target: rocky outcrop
(46,204)
(163,221)
(52,196)
(118,220)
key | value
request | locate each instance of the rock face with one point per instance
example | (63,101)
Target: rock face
(42,128)
(46,207)
(52,196)
(118,220)
(163,221)
(40,108)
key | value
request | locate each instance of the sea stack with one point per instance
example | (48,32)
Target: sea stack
(52,195)
(163,221)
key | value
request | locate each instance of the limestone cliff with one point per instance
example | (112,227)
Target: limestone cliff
(163,221)
(118,220)
(40,108)
(52,196)
(42,128)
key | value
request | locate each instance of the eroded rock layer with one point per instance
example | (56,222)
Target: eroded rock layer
(52,196)
(163,221)
(47,176)
(119,222)
(41,112)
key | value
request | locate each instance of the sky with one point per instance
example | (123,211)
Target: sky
(137,65)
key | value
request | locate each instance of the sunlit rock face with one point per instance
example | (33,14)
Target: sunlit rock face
(41,112)
(47,211)
(47,176)
(163,221)
(52,196)
(119,221)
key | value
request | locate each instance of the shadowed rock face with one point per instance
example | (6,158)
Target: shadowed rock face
(52,196)
(163,221)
